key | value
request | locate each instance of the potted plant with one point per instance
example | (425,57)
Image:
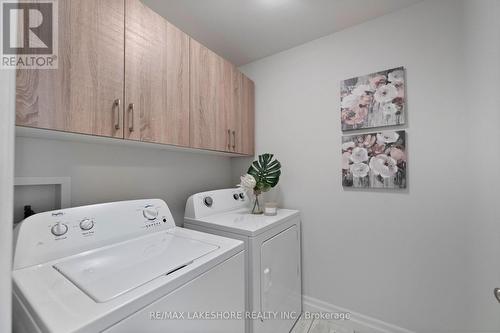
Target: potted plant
(262,175)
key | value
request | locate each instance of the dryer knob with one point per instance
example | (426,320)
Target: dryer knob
(208,201)
(150,212)
(86,224)
(59,229)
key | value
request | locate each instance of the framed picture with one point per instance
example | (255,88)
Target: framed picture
(373,100)
(374,160)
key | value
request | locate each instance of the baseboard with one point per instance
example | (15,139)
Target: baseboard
(359,322)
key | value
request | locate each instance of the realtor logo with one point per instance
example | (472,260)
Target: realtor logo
(29,34)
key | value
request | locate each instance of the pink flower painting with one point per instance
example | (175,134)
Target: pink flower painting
(373,100)
(374,160)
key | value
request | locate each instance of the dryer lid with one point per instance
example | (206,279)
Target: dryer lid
(109,272)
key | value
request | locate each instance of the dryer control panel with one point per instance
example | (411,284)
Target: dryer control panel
(61,233)
(215,202)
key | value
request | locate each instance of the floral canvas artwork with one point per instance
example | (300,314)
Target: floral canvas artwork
(373,100)
(374,160)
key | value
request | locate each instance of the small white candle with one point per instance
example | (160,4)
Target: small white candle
(270,208)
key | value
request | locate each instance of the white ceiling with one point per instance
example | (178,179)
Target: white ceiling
(246,30)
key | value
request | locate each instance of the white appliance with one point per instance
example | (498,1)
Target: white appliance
(124,267)
(272,244)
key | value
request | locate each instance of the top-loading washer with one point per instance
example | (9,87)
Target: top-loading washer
(272,243)
(124,267)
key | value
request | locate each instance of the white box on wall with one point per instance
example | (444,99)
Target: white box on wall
(43,193)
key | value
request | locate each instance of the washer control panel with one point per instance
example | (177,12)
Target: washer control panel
(60,233)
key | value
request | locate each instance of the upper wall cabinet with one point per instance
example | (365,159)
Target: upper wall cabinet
(125,72)
(222,106)
(156,78)
(84,94)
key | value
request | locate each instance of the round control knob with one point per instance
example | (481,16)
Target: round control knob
(150,212)
(86,224)
(208,201)
(59,229)
(236,196)
(242,196)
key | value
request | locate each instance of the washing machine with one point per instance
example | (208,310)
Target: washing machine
(124,267)
(272,260)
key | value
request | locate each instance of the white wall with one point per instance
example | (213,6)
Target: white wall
(7,118)
(111,172)
(482,59)
(407,257)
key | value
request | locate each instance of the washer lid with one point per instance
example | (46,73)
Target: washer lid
(106,273)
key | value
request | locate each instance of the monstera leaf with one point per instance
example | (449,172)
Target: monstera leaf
(266,172)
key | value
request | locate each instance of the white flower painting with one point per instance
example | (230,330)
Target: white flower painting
(374,160)
(373,100)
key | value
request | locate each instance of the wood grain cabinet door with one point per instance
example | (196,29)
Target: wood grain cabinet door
(206,105)
(247,117)
(80,95)
(241,115)
(177,86)
(156,78)
(230,116)
(219,102)
(235,112)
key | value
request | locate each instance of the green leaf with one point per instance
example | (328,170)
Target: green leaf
(266,172)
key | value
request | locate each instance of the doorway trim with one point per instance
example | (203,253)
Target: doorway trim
(7,137)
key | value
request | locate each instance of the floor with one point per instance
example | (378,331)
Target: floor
(319,326)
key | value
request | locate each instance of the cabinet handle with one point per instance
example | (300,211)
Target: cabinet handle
(131,117)
(268,282)
(234,140)
(229,139)
(116,110)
